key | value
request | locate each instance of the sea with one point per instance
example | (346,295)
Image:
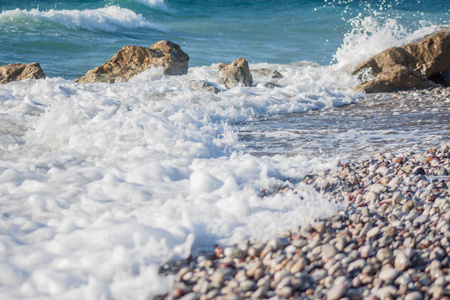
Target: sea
(101,184)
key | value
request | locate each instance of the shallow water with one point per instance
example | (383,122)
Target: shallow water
(415,122)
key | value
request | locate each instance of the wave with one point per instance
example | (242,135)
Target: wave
(110,18)
(371,35)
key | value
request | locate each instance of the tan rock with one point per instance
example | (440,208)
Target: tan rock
(397,78)
(18,72)
(236,73)
(429,56)
(132,60)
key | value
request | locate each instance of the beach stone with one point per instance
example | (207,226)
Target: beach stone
(320,227)
(373,232)
(414,296)
(235,74)
(385,292)
(397,78)
(18,72)
(234,252)
(429,56)
(357,265)
(401,261)
(420,220)
(383,254)
(337,290)
(221,274)
(328,252)
(388,274)
(132,60)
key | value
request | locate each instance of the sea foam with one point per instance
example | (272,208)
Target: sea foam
(101,183)
(109,18)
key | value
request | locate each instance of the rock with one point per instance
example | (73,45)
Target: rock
(414,296)
(18,72)
(388,274)
(328,252)
(236,73)
(132,60)
(267,73)
(401,262)
(337,290)
(429,56)
(373,232)
(200,85)
(397,78)
(221,274)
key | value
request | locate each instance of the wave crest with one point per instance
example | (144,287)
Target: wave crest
(110,18)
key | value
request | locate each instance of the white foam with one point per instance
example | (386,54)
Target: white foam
(100,183)
(156,4)
(371,35)
(109,18)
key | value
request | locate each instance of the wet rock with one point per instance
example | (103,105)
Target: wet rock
(200,85)
(429,56)
(235,74)
(18,72)
(397,78)
(132,60)
(267,73)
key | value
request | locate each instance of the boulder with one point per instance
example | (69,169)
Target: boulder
(18,72)
(429,56)
(397,78)
(235,74)
(132,60)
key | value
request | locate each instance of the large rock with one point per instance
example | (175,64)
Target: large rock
(429,56)
(235,74)
(397,78)
(18,72)
(132,60)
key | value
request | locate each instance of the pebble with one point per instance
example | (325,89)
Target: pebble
(388,274)
(392,240)
(337,291)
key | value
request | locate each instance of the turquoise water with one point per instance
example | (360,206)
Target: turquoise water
(70,37)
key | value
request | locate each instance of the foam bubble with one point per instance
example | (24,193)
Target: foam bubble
(156,4)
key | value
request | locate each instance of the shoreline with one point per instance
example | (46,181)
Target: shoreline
(392,241)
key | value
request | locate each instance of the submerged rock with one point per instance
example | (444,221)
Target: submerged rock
(18,72)
(236,73)
(397,78)
(132,60)
(268,73)
(200,85)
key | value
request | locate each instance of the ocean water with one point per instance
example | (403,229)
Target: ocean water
(100,183)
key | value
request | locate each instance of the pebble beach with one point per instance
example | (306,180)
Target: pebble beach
(391,241)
